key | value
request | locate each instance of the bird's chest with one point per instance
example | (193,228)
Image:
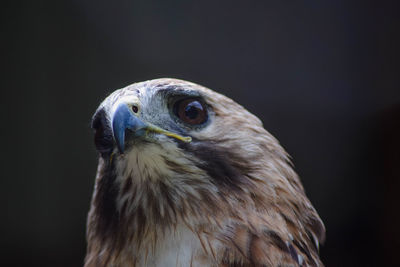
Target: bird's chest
(179,248)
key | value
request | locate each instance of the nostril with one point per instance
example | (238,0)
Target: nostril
(135,108)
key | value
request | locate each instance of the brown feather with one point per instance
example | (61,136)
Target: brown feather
(232,187)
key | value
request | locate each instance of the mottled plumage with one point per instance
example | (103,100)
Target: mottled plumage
(227,198)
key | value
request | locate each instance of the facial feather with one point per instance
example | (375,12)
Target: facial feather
(232,187)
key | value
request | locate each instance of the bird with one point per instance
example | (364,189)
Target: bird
(188,177)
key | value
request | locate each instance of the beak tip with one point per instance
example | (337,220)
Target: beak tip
(119,137)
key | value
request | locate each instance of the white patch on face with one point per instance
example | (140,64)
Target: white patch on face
(147,160)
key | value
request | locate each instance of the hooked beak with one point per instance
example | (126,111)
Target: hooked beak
(124,119)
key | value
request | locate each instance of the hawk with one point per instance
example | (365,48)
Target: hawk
(188,177)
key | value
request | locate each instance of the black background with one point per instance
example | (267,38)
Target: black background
(322,75)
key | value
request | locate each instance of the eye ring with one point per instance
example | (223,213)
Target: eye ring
(191,111)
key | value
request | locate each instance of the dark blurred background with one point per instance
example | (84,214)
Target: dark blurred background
(322,75)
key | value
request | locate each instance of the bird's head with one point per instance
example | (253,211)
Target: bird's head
(173,151)
(182,136)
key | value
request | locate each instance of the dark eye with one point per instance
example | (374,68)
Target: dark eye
(190,111)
